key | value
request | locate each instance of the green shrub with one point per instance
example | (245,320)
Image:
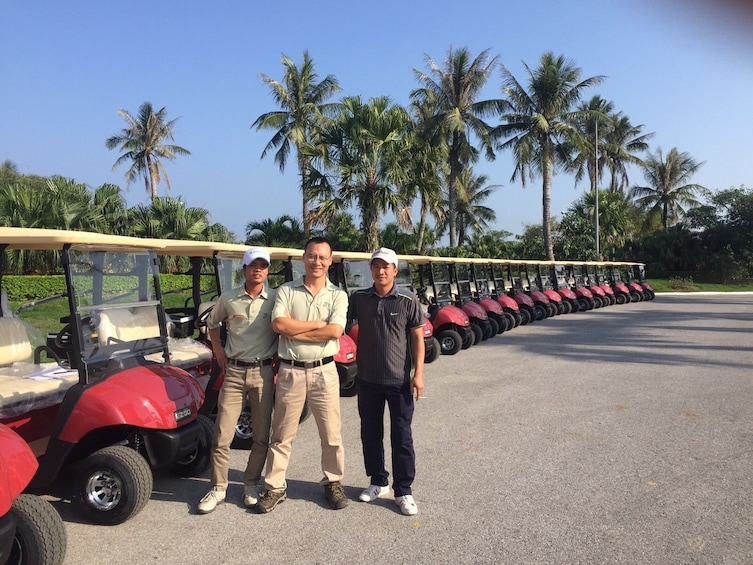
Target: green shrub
(25,288)
(682,284)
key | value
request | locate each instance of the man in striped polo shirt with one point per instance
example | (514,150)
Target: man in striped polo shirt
(390,371)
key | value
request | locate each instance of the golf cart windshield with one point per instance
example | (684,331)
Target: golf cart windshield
(115,303)
(357,275)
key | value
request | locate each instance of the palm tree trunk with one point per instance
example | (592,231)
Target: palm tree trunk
(422,225)
(546,201)
(452,196)
(370,221)
(303,170)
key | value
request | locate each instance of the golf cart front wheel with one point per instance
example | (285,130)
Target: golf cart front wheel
(198,460)
(450,341)
(40,535)
(114,484)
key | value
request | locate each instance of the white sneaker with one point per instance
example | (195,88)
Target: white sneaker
(372,492)
(211,500)
(250,495)
(407,505)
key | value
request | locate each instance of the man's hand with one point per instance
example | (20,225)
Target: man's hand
(417,386)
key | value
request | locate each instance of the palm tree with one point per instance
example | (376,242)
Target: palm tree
(618,219)
(592,122)
(169,218)
(622,141)
(367,144)
(302,115)
(110,209)
(454,90)
(542,124)
(472,216)
(142,141)
(285,231)
(668,194)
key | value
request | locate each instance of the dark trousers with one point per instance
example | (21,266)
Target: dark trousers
(371,401)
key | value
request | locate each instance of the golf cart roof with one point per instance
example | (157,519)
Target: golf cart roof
(46,239)
(208,248)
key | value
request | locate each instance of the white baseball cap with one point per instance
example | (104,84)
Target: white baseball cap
(253,253)
(385,254)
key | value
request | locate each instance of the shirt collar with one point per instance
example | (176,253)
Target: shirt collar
(242,292)
(392,292)
(328,286)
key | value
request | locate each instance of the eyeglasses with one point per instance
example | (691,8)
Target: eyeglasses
(313,258)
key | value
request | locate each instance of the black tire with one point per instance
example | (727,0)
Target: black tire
(621,298)
(526,315)
(489,329)
(478,333)
(497,327)
(468,337)
(243,438)
(196,463)
(486,328)
(598,302)
(349,390)
(567,307)
(40,534)
(517,317)
(113,485)
(450,341)
(540,312)
(551,310)
(508,319)
(432,351)
(575,305)
(635,296)
(583,304)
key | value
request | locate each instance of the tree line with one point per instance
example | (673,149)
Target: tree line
(380,157)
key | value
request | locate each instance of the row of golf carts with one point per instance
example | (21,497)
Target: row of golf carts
(125,383)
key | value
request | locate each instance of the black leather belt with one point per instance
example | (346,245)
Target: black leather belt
(252,364)
(309,364)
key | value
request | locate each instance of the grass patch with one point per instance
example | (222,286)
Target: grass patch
(677,284)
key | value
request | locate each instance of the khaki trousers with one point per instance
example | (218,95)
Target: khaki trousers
(319,386)
(255,387)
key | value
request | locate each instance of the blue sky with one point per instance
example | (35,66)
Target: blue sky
(683,68)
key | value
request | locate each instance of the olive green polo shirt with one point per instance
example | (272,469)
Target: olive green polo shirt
(249,324)
(329,305)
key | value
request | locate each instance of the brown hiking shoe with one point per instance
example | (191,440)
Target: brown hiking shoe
(268,500)
(335,495)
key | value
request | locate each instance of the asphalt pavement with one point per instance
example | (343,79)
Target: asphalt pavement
(620,435)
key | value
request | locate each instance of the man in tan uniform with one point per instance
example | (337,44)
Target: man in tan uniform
(309,314)
(247,362)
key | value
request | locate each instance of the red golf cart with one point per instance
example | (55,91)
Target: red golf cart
(468,294)
(505,284)
(31,530)
(452,327)
(103,406)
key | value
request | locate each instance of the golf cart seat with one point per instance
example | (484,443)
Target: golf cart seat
(24,385)
(120,325)
(184,353)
